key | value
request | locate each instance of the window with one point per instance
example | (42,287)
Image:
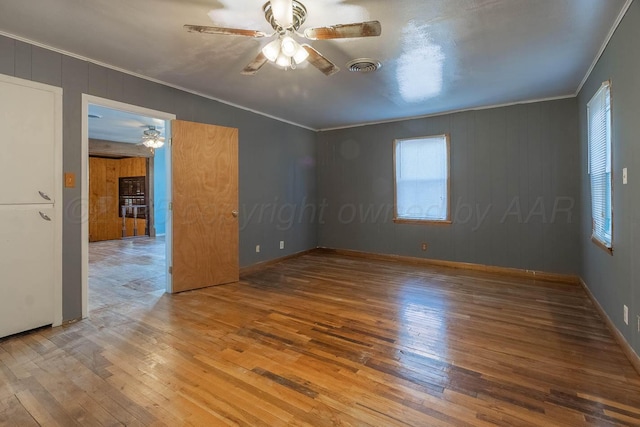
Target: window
(599,117)
(421,168)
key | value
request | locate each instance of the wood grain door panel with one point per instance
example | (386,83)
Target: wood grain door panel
(103,200)
(204,197)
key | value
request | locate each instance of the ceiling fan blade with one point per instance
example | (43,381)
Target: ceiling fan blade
(346,31)
(255,65)
(320,62)
(224,31)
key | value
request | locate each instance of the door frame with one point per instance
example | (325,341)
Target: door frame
(84,182)
(58,174)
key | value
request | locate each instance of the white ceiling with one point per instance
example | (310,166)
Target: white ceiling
(437,55)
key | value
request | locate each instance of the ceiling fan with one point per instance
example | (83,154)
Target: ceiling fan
(151,138)
(286,17)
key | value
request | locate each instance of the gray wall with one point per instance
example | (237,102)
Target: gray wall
(509,167)
(277,160)
(615,280)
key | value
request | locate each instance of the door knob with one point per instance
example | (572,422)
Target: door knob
(234,213)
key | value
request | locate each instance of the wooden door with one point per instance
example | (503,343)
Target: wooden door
(204,180)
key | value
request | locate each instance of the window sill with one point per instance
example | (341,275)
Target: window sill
(602,246)
(422,221)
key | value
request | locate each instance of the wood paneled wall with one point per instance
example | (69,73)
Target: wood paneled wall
(104,222)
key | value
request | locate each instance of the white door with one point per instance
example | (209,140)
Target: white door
(30,215)
(28,123)
(27,267)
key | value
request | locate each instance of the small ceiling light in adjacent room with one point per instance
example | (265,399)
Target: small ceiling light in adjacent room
(151,138)
(94,116)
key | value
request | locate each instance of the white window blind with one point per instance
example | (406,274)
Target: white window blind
(422,178)
(599,117)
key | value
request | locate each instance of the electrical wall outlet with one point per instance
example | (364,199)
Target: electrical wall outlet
(638,323)
(257,248)
(424,246)
(281,244)
(626,314)
(624,175)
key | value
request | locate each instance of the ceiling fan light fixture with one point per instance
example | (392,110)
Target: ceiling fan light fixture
(151,138)
(301,55)
(272,50)
(285,52)
(289,46)
(152,143)
(283,60)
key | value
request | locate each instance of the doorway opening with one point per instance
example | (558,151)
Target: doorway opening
(126,227)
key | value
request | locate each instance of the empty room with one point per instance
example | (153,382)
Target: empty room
(320,213)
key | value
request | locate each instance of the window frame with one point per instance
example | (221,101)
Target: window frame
(606,246)
(399,220)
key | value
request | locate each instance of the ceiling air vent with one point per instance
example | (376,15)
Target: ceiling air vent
(363,65)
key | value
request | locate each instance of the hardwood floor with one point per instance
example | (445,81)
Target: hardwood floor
(322,340)
(126,270)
